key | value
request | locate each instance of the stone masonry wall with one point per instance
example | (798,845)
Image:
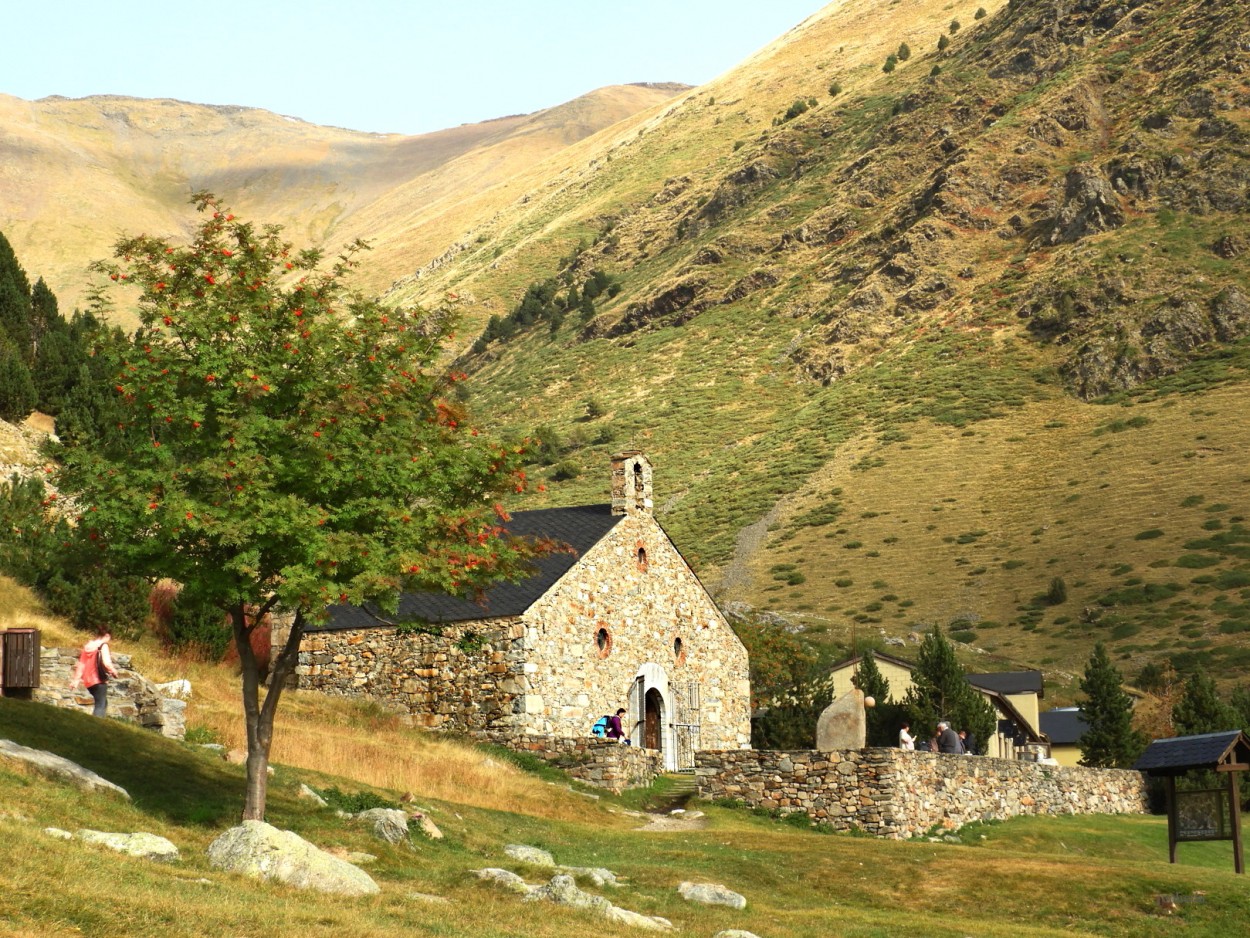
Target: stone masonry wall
(466,678)
(131,696)
(645,608)
(896,794)
(597,762)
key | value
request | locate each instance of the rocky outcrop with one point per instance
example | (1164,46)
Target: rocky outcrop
(261,851)
(1090,205)
(389,824)
(132,697)
(711,894)
(143,845)
(59,768)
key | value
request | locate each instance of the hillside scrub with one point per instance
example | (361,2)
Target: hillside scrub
(286,445)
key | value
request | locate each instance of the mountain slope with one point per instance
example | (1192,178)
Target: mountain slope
(73,173)
(827,267)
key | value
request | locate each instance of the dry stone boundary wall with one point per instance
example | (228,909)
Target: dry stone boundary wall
(597,762)
(896,794)
(131,696)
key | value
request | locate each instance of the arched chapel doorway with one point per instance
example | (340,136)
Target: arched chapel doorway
(653,720)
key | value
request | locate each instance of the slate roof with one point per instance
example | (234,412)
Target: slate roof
(1176,755)
(581,528)
(1065,726)
(1010,682)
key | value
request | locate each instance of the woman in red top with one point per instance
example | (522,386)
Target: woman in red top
(94,668)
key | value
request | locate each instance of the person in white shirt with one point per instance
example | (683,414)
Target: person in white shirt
(905,739)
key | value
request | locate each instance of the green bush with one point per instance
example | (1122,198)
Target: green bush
(835,89)
(891,63)
(1148,535)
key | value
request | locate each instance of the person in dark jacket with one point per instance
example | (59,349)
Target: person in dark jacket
(970,742)
(948,739)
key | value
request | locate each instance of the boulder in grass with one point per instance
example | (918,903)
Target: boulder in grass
(562,890)
(389,824)
(505,878)
(711,894)
(50,765)
(735,933)
(261,851)
(531,855)
(147,846)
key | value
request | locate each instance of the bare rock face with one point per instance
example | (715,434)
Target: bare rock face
(258,850)
(1230,314)
(1090,205)
(531,855)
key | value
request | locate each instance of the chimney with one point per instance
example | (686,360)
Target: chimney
(631,483)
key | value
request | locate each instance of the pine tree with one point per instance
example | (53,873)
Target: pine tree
(15,318)
(1109,740)
(1201,709)
(44,312)
(17,390)
(904,52)
(884,718)
(940,690)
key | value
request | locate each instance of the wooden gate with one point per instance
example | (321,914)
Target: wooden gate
(19,661)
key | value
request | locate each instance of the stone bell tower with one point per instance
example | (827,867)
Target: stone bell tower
(631,483)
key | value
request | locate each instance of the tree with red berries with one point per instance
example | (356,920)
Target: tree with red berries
(286,445)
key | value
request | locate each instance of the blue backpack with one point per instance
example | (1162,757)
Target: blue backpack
(600,728)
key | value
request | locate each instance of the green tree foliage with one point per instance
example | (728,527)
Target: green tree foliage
(1109,740)
(71,571)
(885,717)
(940,690)
(943,42)
(954,27)
(835,89)
(904,52)
(287,445)
(1057,592)
(980,14)
(17,389)
(1201,708)
(891,63)
(789,685)
(543,302)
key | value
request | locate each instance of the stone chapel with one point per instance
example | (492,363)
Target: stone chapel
(621,621)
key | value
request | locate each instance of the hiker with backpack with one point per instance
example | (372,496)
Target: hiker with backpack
(94,668)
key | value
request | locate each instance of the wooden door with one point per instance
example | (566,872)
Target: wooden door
(653,720)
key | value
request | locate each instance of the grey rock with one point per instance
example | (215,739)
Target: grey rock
(57,767)
(843,724)
(1090,204)
(57,832)
(1230,314)
(735,933)
(147,846)
(359,858)
(563,891)
(711,894)
(428,898)
(427,827)
(309,795)
(178,690)
(596,874)
(389,824)
(505,878)
(531,855)
(258,850)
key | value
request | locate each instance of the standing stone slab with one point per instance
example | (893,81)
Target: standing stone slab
(843,725)
(261,851)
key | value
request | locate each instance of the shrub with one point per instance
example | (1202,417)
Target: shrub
(935,71)
(954,27)
(943,42)
(1057,593)
(891,63)
(904,52)
(1148,535)
(835,89)
(980,14)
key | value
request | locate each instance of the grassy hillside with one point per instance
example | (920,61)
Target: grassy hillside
(80,171)
(940,334)
(1030,877)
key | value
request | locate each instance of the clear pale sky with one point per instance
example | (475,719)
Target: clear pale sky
(378,65)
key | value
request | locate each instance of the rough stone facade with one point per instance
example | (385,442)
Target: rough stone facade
(597,762)
(132,697)
(465,678)
(627,625)
(895,794)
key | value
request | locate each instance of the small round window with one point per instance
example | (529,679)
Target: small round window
(679,650)
(603,642)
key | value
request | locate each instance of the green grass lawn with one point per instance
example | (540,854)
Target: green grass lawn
(1030,877)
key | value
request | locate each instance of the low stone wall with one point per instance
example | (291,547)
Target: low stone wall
(132,697)
(897,794)
(597,762)
(461,679)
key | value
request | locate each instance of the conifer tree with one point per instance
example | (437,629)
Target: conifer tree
(17,390)
(1109,740)
(940,690)
(1201,709)
(883,718)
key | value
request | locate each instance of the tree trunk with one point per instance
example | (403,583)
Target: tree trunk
(258,716)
